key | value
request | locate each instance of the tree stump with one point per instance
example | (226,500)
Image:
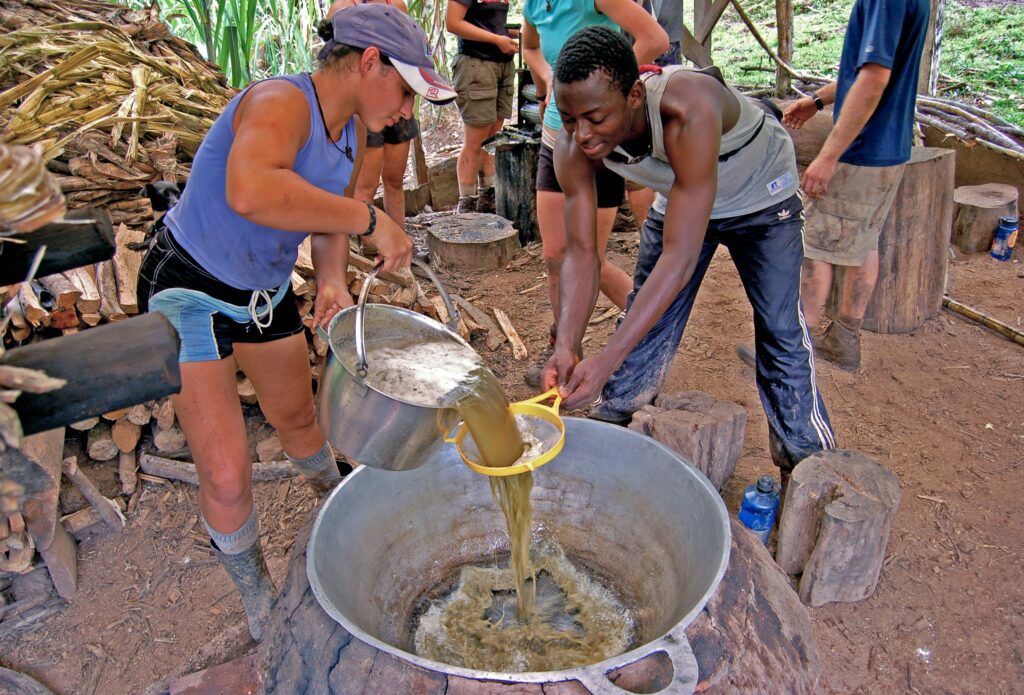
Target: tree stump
(705,431)
(753,636)
(836,518)
(515,170)
(978,209)
(472,241)
(912,247)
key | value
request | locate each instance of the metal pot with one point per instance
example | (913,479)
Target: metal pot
(365,424)
(622,505)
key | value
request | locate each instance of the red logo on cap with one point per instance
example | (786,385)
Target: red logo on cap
(432,92)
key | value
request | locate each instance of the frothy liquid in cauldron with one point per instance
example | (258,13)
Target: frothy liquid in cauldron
(575,621)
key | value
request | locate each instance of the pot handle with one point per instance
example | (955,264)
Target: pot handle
(452,325)
(685,673)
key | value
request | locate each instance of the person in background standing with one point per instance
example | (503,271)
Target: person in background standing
(853,180)
(485,81)
(547,25)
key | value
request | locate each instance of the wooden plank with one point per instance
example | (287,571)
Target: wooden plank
(61,558)
(82,238)
(518,349)
(706,23)
(36,466)
(106,368)
(126,268)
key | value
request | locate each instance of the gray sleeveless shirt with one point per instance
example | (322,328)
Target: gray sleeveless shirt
(756,177)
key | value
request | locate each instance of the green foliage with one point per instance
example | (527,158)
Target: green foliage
(981,61)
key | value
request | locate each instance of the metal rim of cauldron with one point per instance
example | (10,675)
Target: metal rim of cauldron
(592,676)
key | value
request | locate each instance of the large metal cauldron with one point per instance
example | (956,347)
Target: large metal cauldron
(622,505)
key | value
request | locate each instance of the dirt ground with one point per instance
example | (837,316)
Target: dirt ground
(942,407)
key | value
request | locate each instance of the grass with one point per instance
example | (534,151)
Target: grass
(982,57)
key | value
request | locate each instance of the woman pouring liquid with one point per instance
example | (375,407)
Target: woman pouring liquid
(278,165)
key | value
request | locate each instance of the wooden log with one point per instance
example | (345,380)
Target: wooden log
(110,514)
(518,349)
(79,523)
(366,265)
(31,308)
(164,414)
(65,293)
(139,414)
(269,449)
(472,241)
(89,295)
(784,28)
(246,391)
(442,315)
(100,445)
(185,471)
(36,468)
(705,431)
(84,425)
(514,164)
(127,467)
(106,367)
(126,264)
(977,213)
(493,334)
(912,248)
(170,440)
(61,558)
(753,636)
(106,282)
(836,518)
(125,434)
(81,238)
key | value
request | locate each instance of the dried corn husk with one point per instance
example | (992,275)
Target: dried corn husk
(29,197)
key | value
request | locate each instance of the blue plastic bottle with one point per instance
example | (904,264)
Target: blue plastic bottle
(1006,237)
(760,503)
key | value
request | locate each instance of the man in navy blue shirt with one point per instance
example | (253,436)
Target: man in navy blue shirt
(853,180)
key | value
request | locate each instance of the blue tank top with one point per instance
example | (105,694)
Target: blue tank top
(556,21)
(239,252)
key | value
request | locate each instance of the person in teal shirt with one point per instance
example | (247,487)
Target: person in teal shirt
(547,25)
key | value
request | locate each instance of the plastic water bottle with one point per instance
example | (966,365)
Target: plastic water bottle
(760,503)
(1006,237)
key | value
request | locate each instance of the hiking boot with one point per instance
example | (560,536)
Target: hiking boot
(467,204)
(485,202)
(248,570)
(533,372)
(840,345)
(625,220)
(747,354)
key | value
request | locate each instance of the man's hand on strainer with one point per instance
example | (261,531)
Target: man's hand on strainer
(558,369)
(585,384)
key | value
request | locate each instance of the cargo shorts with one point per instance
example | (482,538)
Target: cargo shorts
(843,226)
(484,88)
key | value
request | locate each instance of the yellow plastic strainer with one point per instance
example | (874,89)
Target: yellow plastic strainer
(545,423)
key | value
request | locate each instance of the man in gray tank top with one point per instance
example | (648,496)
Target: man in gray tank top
(725,173)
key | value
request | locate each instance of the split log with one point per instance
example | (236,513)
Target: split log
(366,265)
(705,431)
(106,282)
(126,264)
(100,445)
(912,248)
(65,293)
(836,518)
(442,315)
(246,391)
(978,209)
(84,425)
(185,471)
(61,558)
(775,655)
(89,295)
(170,440)
(269,449)
(127,467)
(110,514)
(139,414)
(83,237)
(106,368)
(80,522)
(472,241)
(125,434)
(494,337)
(31,308)
(164,414)
(518,349)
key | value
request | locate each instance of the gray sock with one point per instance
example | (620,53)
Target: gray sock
(320,463)
(238,541)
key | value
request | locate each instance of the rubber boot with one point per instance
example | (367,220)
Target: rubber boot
(486,203)
(467,204)
(248,570)
(533,372)
(840,344)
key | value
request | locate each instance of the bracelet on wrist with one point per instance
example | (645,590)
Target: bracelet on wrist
(372,226)
(817,101)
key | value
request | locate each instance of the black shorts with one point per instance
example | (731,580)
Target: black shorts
(168,265)
(610,185)
(403,131)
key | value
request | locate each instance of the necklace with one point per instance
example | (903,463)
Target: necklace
(347,150)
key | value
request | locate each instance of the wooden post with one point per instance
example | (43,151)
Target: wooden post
(784,22)
(702,9)
(836,518)
(928,73)
(912,248)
